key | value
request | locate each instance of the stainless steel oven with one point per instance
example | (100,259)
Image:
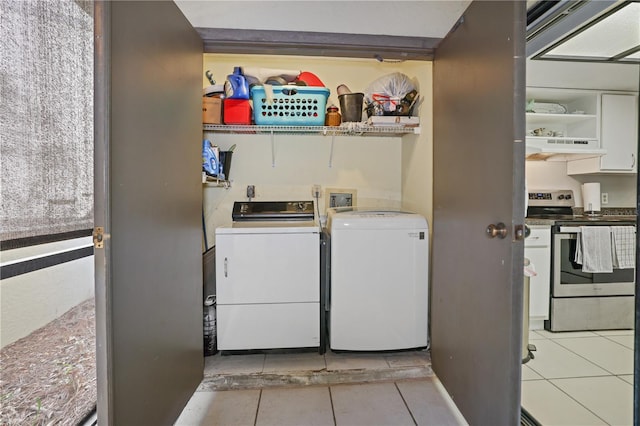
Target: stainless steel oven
(583,300)
(570,281)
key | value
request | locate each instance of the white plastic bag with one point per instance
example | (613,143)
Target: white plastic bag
(385,93)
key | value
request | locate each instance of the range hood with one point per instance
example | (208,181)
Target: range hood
(562,149)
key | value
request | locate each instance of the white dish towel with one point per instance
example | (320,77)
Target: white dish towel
(624,246)
(594,249)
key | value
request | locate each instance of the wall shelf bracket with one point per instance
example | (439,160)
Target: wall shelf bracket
(273,150)
(333,139)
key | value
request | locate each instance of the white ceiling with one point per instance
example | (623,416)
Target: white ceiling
(417,18)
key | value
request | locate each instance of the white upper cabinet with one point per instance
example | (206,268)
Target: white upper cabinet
(561,114)
(618,136)
(619,133)
(562,124)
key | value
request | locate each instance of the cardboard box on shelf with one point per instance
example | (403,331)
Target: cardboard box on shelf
(211,110)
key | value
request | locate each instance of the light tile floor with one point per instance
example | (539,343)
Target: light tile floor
(415,401)
(580,378)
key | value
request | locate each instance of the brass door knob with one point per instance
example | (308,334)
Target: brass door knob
(499,230)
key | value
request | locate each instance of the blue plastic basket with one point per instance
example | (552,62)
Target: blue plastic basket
(291,105)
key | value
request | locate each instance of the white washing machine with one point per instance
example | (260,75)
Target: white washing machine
(379,280)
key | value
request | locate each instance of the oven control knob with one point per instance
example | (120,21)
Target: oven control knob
(568,197)
(561,197)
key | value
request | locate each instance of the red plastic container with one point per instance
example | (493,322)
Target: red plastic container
(237,111)
(310,79)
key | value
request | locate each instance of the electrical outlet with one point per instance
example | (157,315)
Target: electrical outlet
(251,191)
(604,198)
(315,191)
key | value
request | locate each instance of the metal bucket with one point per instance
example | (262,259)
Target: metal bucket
(225,160)
(351,106)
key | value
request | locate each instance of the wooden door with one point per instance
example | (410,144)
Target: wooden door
(477,281)
(148,199)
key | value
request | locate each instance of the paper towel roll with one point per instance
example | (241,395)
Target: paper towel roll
(591,197)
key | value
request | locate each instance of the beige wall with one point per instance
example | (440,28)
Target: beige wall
(386,171)
(553,175)
(417,150)
(32,300)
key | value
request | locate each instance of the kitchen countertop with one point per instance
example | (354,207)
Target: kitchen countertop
(614,214)
(538,222)
(550,222)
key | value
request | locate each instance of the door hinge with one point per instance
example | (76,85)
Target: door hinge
(98,237)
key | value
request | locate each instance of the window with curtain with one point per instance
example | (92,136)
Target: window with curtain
(46,118)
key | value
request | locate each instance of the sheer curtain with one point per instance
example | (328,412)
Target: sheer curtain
(46,118)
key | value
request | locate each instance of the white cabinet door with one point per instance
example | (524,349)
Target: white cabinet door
(538,250)
(267,268)
(619,134)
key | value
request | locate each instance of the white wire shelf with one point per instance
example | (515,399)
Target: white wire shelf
(349,129)
(215,182)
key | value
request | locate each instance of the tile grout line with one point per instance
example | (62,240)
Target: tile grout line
(405,404)
(570,377)
(617,343)
(541,336)
(620,378)
(561,337)
(620,332)
(593,362)
(255,422)
(386,359)
(333,411)
(578,402)
(586,359)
